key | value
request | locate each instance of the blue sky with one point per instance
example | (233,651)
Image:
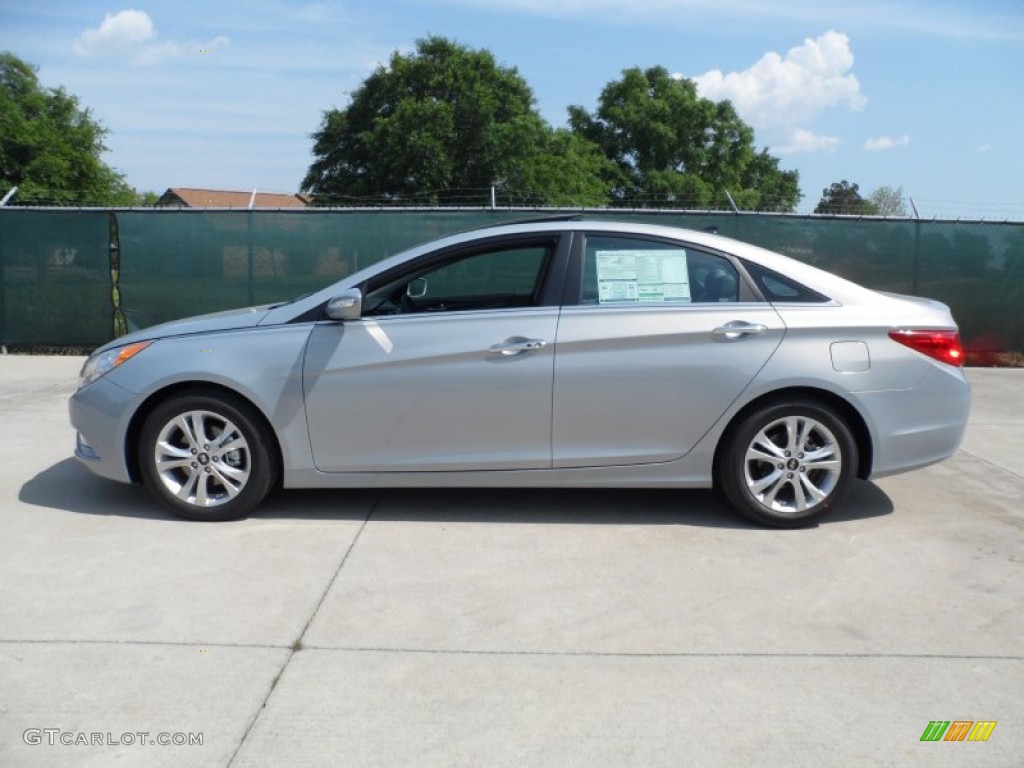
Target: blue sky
(224,94)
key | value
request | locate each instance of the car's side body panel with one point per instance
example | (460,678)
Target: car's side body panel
(692,471)
(427,393)
(914,408)
(643,384)
(263,366)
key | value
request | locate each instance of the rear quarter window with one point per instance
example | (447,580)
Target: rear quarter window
(780,289)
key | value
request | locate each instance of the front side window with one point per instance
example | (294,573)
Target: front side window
(626,271)
(495,278)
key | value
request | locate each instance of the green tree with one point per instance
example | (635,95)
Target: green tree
(146,199)
(844,198)
(671,147)
(442,125)
(565,170)
(889,201)
(50,147)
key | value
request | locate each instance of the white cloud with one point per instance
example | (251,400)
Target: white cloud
(117,31)
(154,54)
(132,33)
(886,142)
(778,95)
(984,148)
(800,140)
(782,92)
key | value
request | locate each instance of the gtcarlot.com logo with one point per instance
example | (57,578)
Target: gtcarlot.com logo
(958,730)
(55,736)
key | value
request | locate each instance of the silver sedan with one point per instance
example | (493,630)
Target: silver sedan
(544,354)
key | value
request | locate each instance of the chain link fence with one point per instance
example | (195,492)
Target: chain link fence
(82,277)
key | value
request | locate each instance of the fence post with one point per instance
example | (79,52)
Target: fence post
(917,248)
(916,257)
(3,288)
(119,326)
(732,202)
(248,232)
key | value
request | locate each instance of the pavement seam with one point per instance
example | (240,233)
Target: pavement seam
(569,654)
(668,655)
(991,463)
(171,643)
(297,645)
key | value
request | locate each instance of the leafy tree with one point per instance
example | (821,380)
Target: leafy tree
(49,146)
(147,199)
(443,122)
(671,147)
(764,187)
(565,170)
(889,201)
(844,198)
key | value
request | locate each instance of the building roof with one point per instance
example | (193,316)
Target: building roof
(188,197)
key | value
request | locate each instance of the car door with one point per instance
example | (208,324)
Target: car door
(449,369)
(661,340)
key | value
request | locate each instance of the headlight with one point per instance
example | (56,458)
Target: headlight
(104,362)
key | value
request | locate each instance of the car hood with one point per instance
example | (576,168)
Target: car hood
(216,321)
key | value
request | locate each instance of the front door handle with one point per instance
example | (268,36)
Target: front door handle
(516,345)
(738,329)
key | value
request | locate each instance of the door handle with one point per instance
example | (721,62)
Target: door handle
(517,345)
(738,329)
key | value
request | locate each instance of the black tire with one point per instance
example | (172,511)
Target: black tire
(220,478)
(792,489)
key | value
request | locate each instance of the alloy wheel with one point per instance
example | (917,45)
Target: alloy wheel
(202,458)
(792,464)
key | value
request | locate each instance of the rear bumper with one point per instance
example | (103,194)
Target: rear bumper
(920,426)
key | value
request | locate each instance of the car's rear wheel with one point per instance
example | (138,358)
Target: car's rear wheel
(206,456)
(787,464)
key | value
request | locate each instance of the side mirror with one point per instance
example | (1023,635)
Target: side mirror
(346,306)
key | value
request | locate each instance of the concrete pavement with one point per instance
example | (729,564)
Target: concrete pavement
(519,628)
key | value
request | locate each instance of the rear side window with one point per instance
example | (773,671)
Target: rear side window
(628,271)
(777,288)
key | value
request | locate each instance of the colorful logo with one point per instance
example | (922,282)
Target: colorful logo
(958,730)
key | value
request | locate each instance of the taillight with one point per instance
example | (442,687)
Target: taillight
(943,346)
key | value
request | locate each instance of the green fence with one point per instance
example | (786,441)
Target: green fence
(82,277)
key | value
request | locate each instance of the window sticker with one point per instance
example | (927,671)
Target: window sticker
(642,276)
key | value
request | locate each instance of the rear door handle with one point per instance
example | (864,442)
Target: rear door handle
(739,329)
(517,345)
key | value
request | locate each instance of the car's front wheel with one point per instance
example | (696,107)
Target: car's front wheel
(206,456)
(788,463)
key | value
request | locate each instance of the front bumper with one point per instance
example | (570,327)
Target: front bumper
(101,413)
